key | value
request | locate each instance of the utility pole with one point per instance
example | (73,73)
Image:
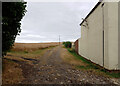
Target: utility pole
(59,39)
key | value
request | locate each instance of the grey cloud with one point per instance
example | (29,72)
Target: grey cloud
(45,21)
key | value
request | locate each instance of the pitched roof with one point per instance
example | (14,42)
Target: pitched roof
(91,11)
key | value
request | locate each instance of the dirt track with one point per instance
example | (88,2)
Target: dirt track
(51,69)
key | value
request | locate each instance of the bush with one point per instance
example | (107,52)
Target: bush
(67,44)
(12,13)
(63,43)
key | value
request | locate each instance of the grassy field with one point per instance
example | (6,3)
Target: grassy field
(22,53)
(93,67)
(32,46)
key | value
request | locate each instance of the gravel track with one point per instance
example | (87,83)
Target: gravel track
(51,69)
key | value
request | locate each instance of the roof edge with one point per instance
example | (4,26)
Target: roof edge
(91,11)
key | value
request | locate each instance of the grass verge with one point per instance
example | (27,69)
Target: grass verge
(113,74)
(38,51)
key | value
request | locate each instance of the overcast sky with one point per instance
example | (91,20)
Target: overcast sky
(45,21)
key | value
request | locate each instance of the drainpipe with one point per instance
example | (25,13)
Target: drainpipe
(103,30)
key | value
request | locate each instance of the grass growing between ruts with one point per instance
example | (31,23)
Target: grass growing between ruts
(29,53)
(115,74)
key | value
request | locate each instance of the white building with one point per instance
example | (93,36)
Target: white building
(100,35)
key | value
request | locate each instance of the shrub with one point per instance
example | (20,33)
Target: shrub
(12,13)
(63,43)
(67,44)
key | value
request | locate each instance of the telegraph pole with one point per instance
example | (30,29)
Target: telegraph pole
(59,39)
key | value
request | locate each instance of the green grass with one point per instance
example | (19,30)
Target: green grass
(19,52)
(90,65)
(30,52)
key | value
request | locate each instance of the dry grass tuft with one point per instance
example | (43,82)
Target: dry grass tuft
(12,74)
(69,58)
